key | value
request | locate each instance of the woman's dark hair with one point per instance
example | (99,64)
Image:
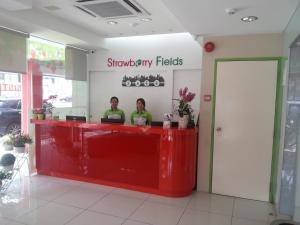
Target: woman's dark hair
(114,97)
(142,101)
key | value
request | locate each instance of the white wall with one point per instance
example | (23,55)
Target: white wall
(105,81)
(168,46)
(258,45)
(104,85)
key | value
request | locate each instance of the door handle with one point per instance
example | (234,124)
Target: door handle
(219,129)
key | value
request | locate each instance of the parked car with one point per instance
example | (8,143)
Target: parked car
(10,115)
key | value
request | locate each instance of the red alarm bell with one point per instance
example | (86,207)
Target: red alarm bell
(209,46)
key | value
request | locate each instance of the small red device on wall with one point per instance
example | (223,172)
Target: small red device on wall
(209,46)
(207,98)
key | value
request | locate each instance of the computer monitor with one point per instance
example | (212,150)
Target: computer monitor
(174,124)
(156,123)
(106,120)
(76,118)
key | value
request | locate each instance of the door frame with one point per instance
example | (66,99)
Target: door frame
(277,119)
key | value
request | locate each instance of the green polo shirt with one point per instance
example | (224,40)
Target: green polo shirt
(143,118)
(114,114)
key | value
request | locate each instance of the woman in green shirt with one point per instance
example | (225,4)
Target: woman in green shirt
(141,116)
(114,112)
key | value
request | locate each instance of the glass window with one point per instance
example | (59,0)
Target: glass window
(10,102)
(57,90)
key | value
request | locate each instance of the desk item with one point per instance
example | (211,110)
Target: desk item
(76,118)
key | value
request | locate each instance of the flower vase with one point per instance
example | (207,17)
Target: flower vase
(48,116)
(183,121)
(40,116)
(35,116)
(19,149)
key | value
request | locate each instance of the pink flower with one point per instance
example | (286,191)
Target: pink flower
(190,96)
(185,97)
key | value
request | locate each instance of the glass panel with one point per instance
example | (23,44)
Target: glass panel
(58,91)
(68,97)
(291,139)
(10,102)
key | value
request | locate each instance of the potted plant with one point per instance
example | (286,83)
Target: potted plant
(35,114)
(7,161)
(184,109)
(48,106)
(19,140)
(4,175)
(38,114)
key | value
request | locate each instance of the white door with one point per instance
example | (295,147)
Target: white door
(243,132)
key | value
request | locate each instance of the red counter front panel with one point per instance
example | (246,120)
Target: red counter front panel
(146,159)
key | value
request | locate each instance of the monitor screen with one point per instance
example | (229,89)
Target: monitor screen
(106,120)
(76,118)
(156,123)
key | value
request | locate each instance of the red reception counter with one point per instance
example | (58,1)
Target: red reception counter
(141,158)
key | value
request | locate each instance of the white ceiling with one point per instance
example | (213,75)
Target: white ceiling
(68,25)
(208,17)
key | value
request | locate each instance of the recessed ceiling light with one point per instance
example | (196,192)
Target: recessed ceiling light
(133,24)
(112,22)
(249,18)
(146,19)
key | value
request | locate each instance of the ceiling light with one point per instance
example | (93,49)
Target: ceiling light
(133,24)
(146,19)
(249,18)
(230,11)
(112,22)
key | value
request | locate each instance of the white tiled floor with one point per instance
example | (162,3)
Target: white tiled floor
(42,200)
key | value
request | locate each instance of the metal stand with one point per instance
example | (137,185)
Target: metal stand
(21,159)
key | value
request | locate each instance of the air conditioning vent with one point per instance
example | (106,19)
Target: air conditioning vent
(85,11)
(111,9)
(85,0)
(132,6)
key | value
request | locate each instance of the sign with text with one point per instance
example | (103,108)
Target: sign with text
(147,63)
(10,87)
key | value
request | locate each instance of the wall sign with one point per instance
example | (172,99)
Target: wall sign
(10,87)
(143,81)
(148,63)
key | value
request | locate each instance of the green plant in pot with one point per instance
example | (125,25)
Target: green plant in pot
(7,161)
(19,140)
(4,175)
